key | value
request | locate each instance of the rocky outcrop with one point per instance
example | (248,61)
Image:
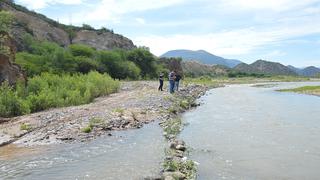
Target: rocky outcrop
(102,41)
(9,71)
(43,28)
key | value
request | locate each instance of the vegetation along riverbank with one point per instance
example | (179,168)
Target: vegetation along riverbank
(311,90)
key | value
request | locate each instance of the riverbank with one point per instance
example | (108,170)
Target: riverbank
(310,90)
(137,103)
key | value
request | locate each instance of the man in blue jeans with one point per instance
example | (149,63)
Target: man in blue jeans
(172,76)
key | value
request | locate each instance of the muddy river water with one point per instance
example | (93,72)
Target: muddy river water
(131,154)
(245,132)
(239,132)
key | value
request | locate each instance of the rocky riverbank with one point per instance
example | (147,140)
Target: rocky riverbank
(137,103)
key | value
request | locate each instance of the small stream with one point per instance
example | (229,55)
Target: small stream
(131,154)
(245,132)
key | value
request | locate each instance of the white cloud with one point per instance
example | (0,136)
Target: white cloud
(140,20)
(112,10)
(233,42)
(39,4)
(274,5)
(274,53)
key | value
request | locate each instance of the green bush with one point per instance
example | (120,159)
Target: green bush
(81,50)
(6,19)
(10,103)
(50,91)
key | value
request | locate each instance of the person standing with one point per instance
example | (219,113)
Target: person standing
(172,76)
(161,82)
(177,81)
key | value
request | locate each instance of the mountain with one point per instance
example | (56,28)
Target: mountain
(201,56)
(265,67)
(197,69)
(42,28)
(297,70)
(243,67)
(310,71)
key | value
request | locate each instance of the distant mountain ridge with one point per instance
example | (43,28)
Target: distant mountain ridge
(196,69)
(201,56)
(309,71)
(265,67)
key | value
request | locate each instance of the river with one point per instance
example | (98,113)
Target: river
(239,132)
(246,132)
(131,154)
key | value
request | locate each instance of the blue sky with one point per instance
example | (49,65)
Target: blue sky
(286,31)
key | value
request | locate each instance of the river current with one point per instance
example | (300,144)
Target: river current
(247,132)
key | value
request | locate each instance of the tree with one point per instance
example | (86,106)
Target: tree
(87,27)
(81,50)
(145,61)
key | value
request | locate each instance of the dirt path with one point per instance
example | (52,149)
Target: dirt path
(136,103)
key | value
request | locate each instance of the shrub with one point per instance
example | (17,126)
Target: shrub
(50,91)
(87,129)
(6,19)
(81,50)
(10,103)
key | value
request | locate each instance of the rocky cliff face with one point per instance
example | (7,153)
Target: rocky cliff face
(102,41)
(9,71)
(42,28)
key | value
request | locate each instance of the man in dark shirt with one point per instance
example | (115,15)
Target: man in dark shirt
(177,81)
(161,82)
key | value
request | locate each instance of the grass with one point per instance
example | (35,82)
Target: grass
(243,80)
(87,129)
(188,167)
(172,127)
(94,122)
(25,127)
(119,110)
(312,90)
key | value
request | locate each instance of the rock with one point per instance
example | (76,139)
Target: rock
(153,178)
(9,71)
(178,145)
(103,41)
(181,147)
(169,178)
(174,175)
(179,153)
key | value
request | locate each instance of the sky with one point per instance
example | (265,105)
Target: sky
(285,31)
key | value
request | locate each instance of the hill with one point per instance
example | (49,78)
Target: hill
(310,71)
(42,28)
(295,69)
(265,67)
(201,56)
(196,69)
